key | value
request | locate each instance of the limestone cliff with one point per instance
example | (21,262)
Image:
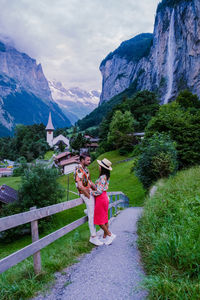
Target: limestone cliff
(173,63)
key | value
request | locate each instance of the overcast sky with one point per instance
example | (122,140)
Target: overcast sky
(70,38)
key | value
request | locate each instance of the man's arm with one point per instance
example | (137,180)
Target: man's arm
(93,186)
(85,191)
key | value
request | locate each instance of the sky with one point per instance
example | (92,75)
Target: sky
(70,38)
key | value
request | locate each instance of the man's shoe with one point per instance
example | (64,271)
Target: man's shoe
(95,241)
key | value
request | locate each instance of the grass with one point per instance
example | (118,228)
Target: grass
(48,155)
(169,238)
(13,182)
(19,282)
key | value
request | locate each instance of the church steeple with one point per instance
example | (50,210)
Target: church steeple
(49,128)
(50,125)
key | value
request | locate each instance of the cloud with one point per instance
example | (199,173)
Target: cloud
(71,38)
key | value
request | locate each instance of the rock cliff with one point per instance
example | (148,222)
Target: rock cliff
(173,62)
(25,96)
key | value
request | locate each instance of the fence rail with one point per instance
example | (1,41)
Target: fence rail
(116,199)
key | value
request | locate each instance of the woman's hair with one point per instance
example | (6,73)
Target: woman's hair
(106,172)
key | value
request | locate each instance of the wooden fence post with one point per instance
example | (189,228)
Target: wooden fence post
(35,237)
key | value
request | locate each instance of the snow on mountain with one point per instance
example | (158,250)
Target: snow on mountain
(75,102)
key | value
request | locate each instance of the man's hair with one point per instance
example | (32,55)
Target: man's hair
(84,155)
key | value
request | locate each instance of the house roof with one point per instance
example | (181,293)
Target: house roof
(50,124)
(69,161)
(139,134)
(2,170)
(7,194)
(63,154)
(92,145)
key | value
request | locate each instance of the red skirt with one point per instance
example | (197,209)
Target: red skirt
(101,209)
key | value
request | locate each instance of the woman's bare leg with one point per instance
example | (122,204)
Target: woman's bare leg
(105,229)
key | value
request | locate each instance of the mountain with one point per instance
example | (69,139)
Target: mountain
(119,67)
(74,102)
(25,96)
(169,61)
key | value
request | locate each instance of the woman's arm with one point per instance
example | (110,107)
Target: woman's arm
(101,185)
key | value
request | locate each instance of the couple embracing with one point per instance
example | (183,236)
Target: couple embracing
(95,197)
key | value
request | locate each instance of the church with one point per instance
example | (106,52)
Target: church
(54,142)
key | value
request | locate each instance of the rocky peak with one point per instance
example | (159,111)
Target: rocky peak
(24,70)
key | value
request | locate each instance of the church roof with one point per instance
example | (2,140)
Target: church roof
(61,138)
(50,124)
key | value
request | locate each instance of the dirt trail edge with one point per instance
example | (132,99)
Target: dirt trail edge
(111,272)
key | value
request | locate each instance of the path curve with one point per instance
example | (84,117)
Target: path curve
(111,272)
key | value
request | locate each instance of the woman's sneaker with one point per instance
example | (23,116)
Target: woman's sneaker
(95,241)
(113,236)
(108,240)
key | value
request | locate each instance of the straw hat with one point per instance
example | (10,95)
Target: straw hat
(105,163)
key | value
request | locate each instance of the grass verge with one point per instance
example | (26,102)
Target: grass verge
(169,238)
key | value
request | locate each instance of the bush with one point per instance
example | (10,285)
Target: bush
(38,188)
(22,167)
(158,159)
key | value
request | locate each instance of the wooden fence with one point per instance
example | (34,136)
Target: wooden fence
(32,216)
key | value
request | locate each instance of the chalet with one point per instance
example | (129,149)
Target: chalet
(92,144)
(6,172)
(7,195)
(62,156)
(68,165)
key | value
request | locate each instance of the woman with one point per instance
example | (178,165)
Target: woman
(102,201)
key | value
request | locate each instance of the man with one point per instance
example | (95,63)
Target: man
(84,186)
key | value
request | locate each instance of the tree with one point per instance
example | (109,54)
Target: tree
(121,130)
(28,141)
(158,159)
(188,101)
(183,127)
(77,142)
(39,187)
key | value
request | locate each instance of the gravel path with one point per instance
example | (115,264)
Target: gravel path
(109,272)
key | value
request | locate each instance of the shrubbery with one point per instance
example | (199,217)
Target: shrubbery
(38,188)
(158,159)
